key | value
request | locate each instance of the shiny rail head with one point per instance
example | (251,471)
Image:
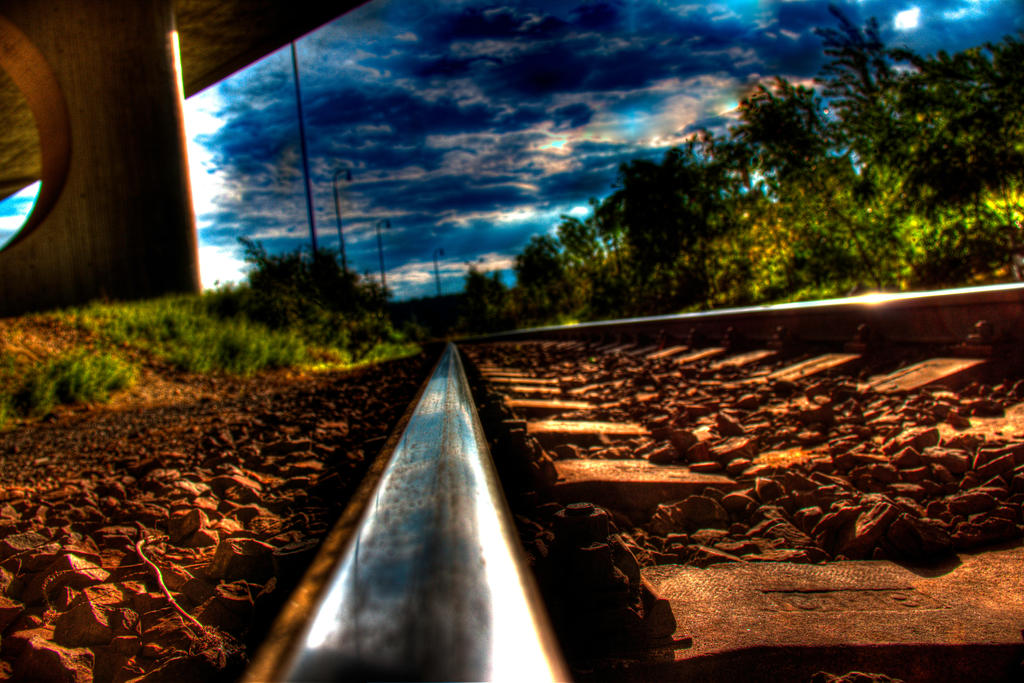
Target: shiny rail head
(432,586)
(965,305)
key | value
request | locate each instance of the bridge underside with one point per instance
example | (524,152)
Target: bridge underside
(91,97)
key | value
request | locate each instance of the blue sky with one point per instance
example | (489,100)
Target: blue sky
(471,126)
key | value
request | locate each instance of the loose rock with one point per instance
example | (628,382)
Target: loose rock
(240,558)
(45,661)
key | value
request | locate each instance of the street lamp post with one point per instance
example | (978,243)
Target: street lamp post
(437,273)
(337,213)
(380,252)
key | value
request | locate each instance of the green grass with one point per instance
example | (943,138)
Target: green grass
(180,330)
(77,377)
(238,348)
(192,333)
(386,350)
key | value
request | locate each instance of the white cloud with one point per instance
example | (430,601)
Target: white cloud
(681,103)
(492,261)
(201,119)
(907,19)
(220,265)
(520,214)
(418,278)
(972,9)
(500,49)
(418,273)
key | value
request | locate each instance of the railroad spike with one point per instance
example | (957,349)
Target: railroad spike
(981,342)
(783,339)
(864,339)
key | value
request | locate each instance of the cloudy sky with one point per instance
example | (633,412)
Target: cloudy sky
(470,126)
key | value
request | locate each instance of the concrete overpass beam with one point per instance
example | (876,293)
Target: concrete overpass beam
(115,218)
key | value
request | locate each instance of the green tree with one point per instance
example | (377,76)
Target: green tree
(541,280)
(485,304)
(894,171)
(671,213)
(309,293)
(800,182)
(965,163)
(861,83)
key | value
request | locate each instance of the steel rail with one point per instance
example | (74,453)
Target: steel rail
(937,317)
(432,584)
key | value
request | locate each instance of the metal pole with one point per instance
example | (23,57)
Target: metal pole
(305,157)
(337,213)
(380,253)
(437,274)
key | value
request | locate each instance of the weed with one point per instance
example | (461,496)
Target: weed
(73,378)
(181,330)
(237,347)
(311,295)
(294,310)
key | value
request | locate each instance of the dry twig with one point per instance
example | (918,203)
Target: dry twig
(163,587)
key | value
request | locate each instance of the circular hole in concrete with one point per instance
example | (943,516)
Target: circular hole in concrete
(20,160)
(35,142)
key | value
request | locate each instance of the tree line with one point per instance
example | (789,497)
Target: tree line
(895,172)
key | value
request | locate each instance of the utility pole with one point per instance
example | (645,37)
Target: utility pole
(337,213)
(380,252)
(305,156)
(437,273)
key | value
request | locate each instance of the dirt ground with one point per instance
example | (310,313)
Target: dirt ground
(219,488)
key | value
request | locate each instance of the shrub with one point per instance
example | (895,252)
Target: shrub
(311,295)
(181,330)
(295,308)
(237,347)
(73,378)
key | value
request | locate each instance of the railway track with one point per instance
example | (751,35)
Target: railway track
(759,493)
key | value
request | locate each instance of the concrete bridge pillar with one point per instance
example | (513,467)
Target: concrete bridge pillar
(114,218)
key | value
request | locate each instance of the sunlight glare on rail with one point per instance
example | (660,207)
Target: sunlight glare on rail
(516,653)
(431,585)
